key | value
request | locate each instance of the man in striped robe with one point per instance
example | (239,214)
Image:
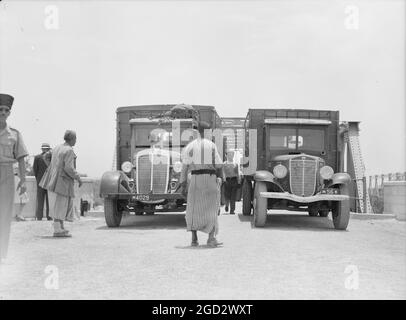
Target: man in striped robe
(203,163)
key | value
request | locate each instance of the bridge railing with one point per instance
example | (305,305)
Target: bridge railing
(375,188)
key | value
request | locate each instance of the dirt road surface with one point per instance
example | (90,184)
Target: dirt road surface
(294,257)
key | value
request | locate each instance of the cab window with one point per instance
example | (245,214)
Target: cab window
(282,138)
(311,139)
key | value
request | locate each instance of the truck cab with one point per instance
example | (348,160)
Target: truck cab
(299,165)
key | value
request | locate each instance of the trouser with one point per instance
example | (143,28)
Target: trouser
(231,186)
(6,206)
(42,195)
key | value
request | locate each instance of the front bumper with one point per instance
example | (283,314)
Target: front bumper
(146,197)
(295,198)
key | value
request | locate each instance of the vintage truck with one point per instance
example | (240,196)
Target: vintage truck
(299,165)
(149,142)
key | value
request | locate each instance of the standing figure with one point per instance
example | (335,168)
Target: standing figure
(233,179)
(201,159)
(39,167)
(12,149)
(59,180)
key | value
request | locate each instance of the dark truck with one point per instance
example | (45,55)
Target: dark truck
(299,165)
(148,162)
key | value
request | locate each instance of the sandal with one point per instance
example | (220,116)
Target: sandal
(214,243)
(62,234)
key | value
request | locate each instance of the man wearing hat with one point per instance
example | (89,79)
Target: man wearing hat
(39,167)
(12,150)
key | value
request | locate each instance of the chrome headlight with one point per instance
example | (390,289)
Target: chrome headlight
(177,166)
(127,166)
(280,171)
(326,172)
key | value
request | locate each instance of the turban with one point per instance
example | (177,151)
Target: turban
(6,100)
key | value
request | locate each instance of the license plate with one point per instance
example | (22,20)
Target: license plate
(141,197)
(330,191)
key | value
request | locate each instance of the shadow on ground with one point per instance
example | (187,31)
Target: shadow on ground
(156,221)
(292,221)
(198,247)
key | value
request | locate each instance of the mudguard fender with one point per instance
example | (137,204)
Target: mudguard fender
(113,182)
(266,176)
(339,178)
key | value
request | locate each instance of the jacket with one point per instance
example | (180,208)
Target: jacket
(39,167)
(61,173)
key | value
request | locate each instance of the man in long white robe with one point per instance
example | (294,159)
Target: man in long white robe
(202,161)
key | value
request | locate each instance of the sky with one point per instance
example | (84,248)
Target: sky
(70,64)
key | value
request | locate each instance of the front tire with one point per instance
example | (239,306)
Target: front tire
(341,211)
(111,213)
(260,205)
(246,197)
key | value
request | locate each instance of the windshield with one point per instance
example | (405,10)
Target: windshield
(297,138)
(146,135)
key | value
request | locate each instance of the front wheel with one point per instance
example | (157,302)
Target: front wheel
(341,211)
(112,214)
(260,205)
(246,197)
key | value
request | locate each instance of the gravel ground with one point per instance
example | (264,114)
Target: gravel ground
(294,257)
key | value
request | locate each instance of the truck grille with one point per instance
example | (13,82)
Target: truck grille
(302,177)
(152,171)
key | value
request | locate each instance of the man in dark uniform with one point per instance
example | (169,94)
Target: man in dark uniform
(41,162)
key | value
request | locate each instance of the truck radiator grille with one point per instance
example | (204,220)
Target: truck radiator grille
(152,172)
(144,167)
(160,172)
(302,177)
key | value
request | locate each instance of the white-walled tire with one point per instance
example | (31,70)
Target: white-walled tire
(260,205)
